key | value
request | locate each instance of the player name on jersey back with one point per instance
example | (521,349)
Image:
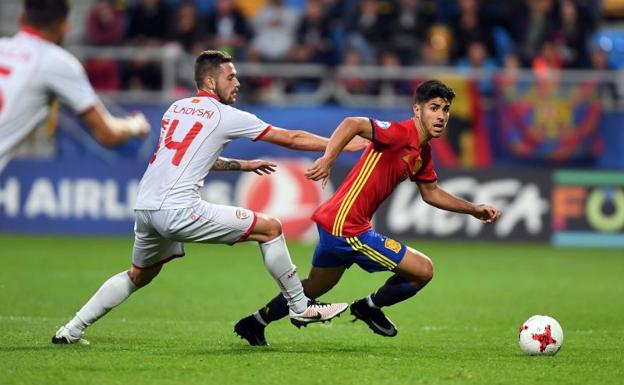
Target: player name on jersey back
(198,112)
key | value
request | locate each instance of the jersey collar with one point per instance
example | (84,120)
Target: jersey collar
(208,94)
(34,32)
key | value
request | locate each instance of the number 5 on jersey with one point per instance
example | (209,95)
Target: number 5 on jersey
(168,130)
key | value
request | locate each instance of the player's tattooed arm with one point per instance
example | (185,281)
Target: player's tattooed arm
(225,164)
(258,166)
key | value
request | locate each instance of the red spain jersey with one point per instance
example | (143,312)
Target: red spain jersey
(393,156)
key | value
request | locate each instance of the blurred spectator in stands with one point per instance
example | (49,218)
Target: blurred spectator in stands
(574,31)
(352,59)
(142,74)
(535,23)
(511,63)
(147,22)
(368,27)
(599,60)
(470,24)
(227,28)
(104,24)
(411,21)
(313,41)
(274,30)
(436,47)
(250,8)
(103,74)
(478,57)
(104,27)
(480,63)
(550,58)
(390,62)
(147,27)
(185,29)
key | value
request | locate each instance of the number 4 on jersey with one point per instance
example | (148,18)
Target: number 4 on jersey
(168,129)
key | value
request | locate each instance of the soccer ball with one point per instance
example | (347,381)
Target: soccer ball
(540,335)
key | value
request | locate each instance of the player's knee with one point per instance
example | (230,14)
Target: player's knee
(427,272)
(422,275)
(142,277)
(274,228)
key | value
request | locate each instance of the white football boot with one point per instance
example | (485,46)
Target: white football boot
(317,312)
(66,336)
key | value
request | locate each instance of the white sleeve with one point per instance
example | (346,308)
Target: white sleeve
(66,78)
(241,124)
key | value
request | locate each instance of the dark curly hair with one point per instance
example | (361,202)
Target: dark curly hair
(432,89)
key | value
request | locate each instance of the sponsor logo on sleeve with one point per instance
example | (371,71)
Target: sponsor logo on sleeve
(382,124)
(242,213)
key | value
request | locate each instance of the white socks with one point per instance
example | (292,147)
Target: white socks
(112,292)
(277,261)
(119,287)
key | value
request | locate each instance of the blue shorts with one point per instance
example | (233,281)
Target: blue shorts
(370,250)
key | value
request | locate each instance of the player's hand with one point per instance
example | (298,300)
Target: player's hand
(486,213)
(139,126)
(356,144)
(319,171)
(259,166)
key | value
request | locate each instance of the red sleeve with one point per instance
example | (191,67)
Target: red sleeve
(426,173)
(389,134)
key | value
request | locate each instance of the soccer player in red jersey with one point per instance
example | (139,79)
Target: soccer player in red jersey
(398,151)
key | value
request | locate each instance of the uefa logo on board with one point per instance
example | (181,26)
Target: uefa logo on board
(286,195)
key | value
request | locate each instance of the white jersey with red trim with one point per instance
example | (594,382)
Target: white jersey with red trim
(194,132)
(32,71)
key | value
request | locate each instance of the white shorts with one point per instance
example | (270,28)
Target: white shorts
(159,234)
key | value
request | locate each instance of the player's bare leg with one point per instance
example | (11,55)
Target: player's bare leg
(112,293)
(413,272)
(321,280)
(268,232)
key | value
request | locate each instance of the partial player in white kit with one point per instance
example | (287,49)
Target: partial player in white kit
(34,70)
(169,210)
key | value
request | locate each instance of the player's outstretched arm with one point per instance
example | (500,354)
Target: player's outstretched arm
(109,130)
(305,141)
(351,129)
(436,196)
(258,166)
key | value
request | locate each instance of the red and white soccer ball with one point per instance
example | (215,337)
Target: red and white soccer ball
(540,335)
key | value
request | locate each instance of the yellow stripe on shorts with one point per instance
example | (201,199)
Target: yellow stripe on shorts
(371,253)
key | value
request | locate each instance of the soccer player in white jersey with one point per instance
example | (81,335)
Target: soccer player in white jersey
(169,210)
(34,69)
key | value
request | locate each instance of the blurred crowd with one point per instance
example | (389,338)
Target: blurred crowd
(466,34)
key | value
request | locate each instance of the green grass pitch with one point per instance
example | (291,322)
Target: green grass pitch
(461,329)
